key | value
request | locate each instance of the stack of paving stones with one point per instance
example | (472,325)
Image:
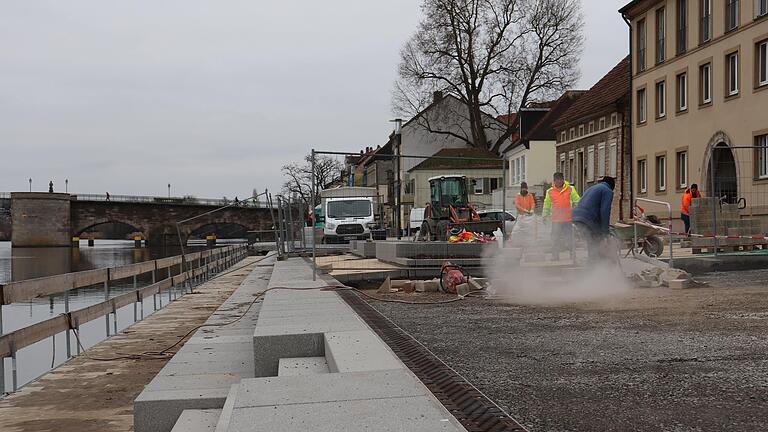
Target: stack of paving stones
(709,217)
(313,365)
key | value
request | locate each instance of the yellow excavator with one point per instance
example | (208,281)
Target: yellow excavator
(449,211)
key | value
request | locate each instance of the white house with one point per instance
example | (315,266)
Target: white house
(531,156)
(432,130)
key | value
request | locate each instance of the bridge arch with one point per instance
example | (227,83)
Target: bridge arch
(135,227)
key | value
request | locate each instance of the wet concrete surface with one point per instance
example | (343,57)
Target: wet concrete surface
(650,360)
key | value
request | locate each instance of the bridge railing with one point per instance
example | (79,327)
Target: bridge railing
(213,202)
(197,267)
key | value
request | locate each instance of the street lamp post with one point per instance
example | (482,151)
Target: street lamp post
(66,185)
(30,184)
(169,190)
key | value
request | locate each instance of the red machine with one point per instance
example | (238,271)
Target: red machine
(452,276)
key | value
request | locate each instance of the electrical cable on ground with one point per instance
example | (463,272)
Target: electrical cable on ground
(167,353)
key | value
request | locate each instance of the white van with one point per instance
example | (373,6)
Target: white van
(415,219)
(348,213)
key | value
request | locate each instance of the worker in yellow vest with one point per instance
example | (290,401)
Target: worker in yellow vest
(559,202)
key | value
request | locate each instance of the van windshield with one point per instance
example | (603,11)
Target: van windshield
(351,208)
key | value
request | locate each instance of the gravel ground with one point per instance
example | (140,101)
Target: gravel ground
(653,360)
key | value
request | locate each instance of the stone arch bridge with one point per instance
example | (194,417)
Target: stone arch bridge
(52,219)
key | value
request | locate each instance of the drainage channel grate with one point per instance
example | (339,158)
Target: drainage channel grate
(471,408)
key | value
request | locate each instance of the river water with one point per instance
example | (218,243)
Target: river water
(26,263)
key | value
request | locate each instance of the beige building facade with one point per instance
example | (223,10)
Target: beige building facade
(700,95)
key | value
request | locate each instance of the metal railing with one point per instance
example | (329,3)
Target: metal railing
(192,268)
(186,200)
(212,202)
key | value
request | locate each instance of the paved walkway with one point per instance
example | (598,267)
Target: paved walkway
(86,395)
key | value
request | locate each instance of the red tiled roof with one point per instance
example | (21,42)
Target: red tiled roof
(466,152)
(611,89)
(543,129)
(507,119)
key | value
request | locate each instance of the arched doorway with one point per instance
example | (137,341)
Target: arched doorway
(723,174)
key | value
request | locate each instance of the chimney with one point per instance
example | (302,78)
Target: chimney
(437,96)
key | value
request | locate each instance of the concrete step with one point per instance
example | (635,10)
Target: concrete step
(203,420)
(302,366)
(391,400)
(222,425)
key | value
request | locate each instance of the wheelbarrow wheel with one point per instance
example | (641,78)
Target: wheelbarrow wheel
(653,246)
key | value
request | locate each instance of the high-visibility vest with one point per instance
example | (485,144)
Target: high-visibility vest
(524,203)
(561,204)
(685,206)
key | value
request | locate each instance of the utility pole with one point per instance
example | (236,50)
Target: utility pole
(398,196)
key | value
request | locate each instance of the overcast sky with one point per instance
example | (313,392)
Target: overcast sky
(210,96)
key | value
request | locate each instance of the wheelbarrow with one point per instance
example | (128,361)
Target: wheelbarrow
(648,240)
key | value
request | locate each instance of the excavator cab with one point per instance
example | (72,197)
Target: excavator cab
(449,207)
(447,192)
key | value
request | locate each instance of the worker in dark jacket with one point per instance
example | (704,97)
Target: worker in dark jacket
(593,215)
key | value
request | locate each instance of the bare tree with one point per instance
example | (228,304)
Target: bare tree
(298,177)
(495,56)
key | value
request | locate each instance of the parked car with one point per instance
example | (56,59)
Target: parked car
(496,214)
(415,219)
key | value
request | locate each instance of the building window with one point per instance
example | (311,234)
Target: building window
(562,136)
(661,34)
(661,173)
(682,26)
(641,45)
(706,20)
(591,163)
(732,63)
(641,105)
(642,176)
(581,130)
(614,119)
(761,8)
(601,160)
(601,124)
(591,127)
(761,146)
(562,163)
(761,52)
(731,14)
(682,170)
(573,133)
(682,92)
(661,99)
(478,186)
(705,78)
(613,161)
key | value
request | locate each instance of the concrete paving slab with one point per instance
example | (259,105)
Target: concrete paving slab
(302,366)
(197,421)
(192,382)
(412,414)
(357,351)
(216,338)
(243,366)
(334,387)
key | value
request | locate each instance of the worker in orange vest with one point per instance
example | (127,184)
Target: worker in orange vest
(524,202)
(685,207)
(559,202)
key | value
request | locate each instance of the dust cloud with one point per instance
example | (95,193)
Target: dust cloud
(513,280)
